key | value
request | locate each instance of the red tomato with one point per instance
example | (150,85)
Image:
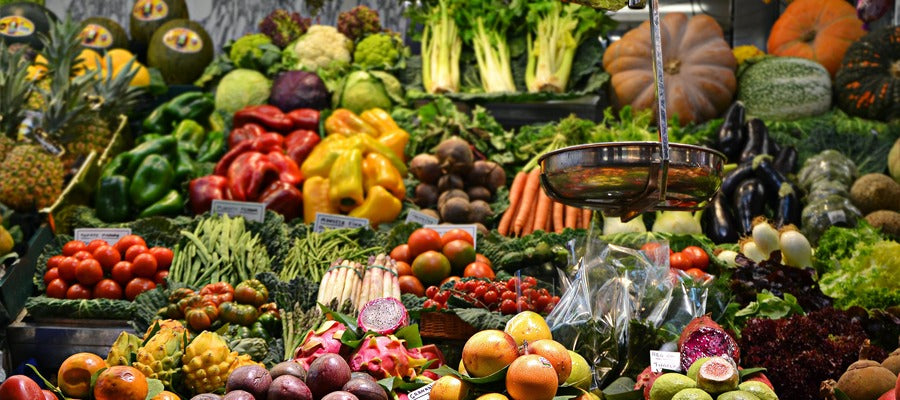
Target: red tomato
(127,241)
(479,270)
(482,259)
(94,244)
(108,289)
(163,257)
(401,253)
(422,240)
(108,256)
(72,247)
(83,255)
(456,234)
(680,261)
(699,258)
(696,274)
(160,277)
(78,291)
(57,289)
(20,387)
(134,251)
(50,275)
(88,272)
(48,395)
(138,286)
(54,261)
(122,272)
(143,265)
(67,269)
(651,247)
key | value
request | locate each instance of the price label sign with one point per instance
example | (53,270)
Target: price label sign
(422,393)
(472,229)
(110,235)
(421,218)
(250,211)
(334,221)
(668,360)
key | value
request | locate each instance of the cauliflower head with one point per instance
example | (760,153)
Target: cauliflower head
(381,50)
(320,47)
(246,51)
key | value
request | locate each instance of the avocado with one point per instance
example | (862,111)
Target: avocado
(181,49)
(101,34)
(148,15)
(22,22)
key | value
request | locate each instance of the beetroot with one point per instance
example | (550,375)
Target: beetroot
(317,342)
(383,316)
(645,381)
(703,337)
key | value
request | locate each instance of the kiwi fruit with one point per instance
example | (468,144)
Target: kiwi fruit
(426,195)
(456,210)
(426,168)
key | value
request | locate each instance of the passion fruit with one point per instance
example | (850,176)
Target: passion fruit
(557,354)
(449,388)
(488,351)
(531,377)
(75,373)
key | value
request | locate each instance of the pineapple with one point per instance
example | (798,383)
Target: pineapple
(30,178)
(161,357)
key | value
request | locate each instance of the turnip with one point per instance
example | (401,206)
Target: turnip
(795,249)
(613,225)
(765,236)
(750,250)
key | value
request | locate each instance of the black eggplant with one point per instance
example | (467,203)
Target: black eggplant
(731,133)
(749,202)
(872,10)
(782,194)
(718,221)
(757,136)
(735,177)
(789,210)
(786,160)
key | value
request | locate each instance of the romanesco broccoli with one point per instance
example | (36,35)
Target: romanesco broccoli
(381,50)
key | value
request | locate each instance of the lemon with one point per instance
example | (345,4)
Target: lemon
(528,326)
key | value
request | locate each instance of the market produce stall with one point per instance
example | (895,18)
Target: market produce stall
(489,206)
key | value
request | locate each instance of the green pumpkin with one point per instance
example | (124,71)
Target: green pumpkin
(181,50)
(148,15)
(868,83)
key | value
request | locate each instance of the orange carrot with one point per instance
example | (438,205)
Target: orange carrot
(558,217)
(572,214)
(530,223)
(542,213)
(529,194)
(515,195)
(586,216)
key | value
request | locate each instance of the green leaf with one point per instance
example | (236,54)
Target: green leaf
(397,383)
(158,85)
(411,335)
(154,387)
(619,386)
(495,377)
(482,319)
(96,375)
(347,320)
(50,386)
(750,371)
(350,339)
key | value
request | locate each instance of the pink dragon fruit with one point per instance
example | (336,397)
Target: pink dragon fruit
(326,339)
(703,337)
(383,316)
(384,356)
(645,381)
(434,356)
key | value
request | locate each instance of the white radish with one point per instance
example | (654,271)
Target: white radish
(751,251)
(795,249)
(765,236)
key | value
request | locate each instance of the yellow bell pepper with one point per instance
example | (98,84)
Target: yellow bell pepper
(347,123)
(346,189)
(372,145)
(379,119)
(315,198)
(396,140)
(322,157)
(378,171)
(380,207)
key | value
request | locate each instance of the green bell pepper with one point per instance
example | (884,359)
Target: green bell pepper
(191,105)
(190,136)
(146,138)
(184,166)
(117,166)
(257,330)
(171,204)
(163,147)
(271,322)
(157,121)
(111,200)
(152,179)
(241,314)
(213,147)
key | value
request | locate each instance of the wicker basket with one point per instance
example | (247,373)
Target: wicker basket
(439,325)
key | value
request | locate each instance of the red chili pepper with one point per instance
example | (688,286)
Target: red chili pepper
(249,174)
(268,116)
(288,171)
(263,144)
(305,118)
(205,189)
(246,132)
(300,143)
(284,199)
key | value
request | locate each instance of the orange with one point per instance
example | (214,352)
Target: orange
(531,377)
(489,351)
(166,395)
(75,373)
(88,60)
(556,353)
(121,383)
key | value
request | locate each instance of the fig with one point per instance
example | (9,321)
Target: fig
(488,174)
(866,380)
(448,182)
(288,368)
(456,211)
(361,375)
(449,195)
(340,395)
(239,395)
(718,375)
(426,195)
(455,156)
(253,379)
(426,168)
(327,374)
(480,211)
(365,389)
(289,387)
(479,193)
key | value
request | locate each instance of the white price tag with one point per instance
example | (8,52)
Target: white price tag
(250,211)
(334,221)
(421,218)
(668,360)
(472,229)
(422,393)
(110,235)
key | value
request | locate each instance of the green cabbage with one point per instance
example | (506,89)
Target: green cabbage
(241,88)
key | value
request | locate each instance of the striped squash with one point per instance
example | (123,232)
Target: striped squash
(785,88)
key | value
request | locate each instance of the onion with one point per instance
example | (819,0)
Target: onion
(765,236)
(795,249)
(751,251)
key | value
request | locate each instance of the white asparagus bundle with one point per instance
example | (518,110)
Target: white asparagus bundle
(395,281)
(380,280)
(327,280)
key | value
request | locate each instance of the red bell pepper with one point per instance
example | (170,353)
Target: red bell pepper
(268,116)
(305,118)
(265,143)
(249,174)
(300,143)
(246,132)
(284,199)
(204,190)
(288,171)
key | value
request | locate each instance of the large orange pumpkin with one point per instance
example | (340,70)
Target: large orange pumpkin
(699,68)
(819,30)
